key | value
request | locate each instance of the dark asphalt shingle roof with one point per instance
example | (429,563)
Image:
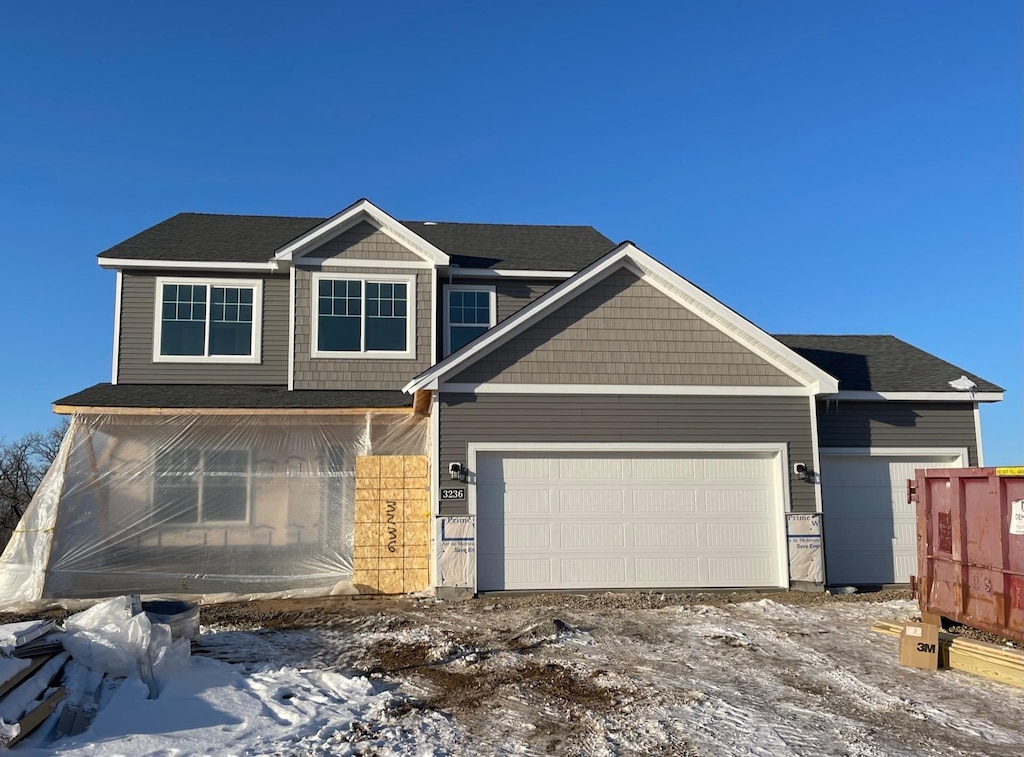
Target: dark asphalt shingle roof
(230,396)
(880,363)
(199,237)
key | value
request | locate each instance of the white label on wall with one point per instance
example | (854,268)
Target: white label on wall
(1017,517)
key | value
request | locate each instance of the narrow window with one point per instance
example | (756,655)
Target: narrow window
(340,314)
(470,314)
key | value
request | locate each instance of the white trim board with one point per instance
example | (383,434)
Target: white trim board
(815,454)
(118,294)
(342,263)
(505,273)
(359,211)
(203,265)
(863,396)
(639,389)
(977,434)
(291,329)
(960,452)
(685,293)
(778,451)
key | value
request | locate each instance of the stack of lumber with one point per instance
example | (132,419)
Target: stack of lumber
(31,661)
(1003,664)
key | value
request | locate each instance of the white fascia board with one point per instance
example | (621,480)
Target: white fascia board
(351,263)
(202,265)
(359,211)
(627,389)
(680,290)
(862,396)
(815,454)
(490,273)
(731,323)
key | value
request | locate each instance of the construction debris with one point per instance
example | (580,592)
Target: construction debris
(56,676)
(997,663)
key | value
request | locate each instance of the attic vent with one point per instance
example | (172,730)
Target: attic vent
(430,223)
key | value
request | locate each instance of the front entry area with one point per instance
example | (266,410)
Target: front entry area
(630,519)
(870,529)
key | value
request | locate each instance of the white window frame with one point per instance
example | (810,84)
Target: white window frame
(409,353)
(257,320)
(492,302)
(199,522)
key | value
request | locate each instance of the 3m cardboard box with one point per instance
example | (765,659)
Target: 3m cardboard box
(919,646)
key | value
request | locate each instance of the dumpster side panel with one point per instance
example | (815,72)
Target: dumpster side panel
(971,567)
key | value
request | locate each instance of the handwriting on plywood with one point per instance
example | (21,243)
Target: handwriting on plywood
(391,519)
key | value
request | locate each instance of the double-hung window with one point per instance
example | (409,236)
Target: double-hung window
(207,320)
(469,312)
(193,486)
(363,316)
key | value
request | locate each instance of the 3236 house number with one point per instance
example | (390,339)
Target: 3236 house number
(453,494)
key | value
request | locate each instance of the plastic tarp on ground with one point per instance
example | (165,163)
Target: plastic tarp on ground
(229,505)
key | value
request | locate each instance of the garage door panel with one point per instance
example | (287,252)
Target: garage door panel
(599,571)
(664,535)
(628,520)
(731,501)
(662,469)
(590,535)
(664,501)
(668,571)
(591,501)
(737,571)
(735,469)
(590,469)
(738,535)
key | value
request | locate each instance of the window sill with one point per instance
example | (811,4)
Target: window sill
(213,359)
(363,355)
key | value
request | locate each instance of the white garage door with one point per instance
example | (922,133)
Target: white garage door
(646,520)
(870,530)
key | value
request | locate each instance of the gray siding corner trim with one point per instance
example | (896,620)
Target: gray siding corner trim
(894,423)
(468,418)
(138,317)
(358,373)
(623,331)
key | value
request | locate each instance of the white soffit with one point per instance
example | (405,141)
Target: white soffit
(362,210)
(662,278)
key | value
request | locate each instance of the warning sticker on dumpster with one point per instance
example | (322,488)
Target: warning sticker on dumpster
(1014,471)
(1017,517)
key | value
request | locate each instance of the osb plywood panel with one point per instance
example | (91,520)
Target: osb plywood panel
(392,524)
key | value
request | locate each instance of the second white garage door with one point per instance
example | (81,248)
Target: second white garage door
(575,520)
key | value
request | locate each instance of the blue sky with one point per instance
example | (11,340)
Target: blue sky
(819,167)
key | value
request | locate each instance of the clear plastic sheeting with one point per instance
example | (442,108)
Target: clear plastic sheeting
(198,505)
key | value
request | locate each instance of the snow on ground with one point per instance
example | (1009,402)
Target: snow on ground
(758,678)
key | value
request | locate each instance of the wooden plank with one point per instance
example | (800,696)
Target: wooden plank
(21,675)
(36,716)
(995,671)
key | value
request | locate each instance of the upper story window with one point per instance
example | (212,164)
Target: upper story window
(363,316)
(207,320)
(469,312)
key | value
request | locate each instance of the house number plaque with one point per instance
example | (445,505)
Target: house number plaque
(453,494)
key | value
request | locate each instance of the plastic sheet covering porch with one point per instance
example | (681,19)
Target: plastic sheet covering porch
(229,505)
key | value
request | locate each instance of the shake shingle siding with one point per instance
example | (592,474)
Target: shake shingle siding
(138,314)
(623,331)
(624,418)
(898,424)
(358,373)
(363,242)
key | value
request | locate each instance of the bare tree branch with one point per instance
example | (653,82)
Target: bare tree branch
(23,463)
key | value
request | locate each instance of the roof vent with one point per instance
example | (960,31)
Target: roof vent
(430,223)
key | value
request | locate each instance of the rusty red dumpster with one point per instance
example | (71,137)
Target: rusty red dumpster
(970,546)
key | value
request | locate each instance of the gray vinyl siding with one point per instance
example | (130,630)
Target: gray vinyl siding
(358,373)
(363,242)
(138,318)
(468,418)
(623,331)
(897,424)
